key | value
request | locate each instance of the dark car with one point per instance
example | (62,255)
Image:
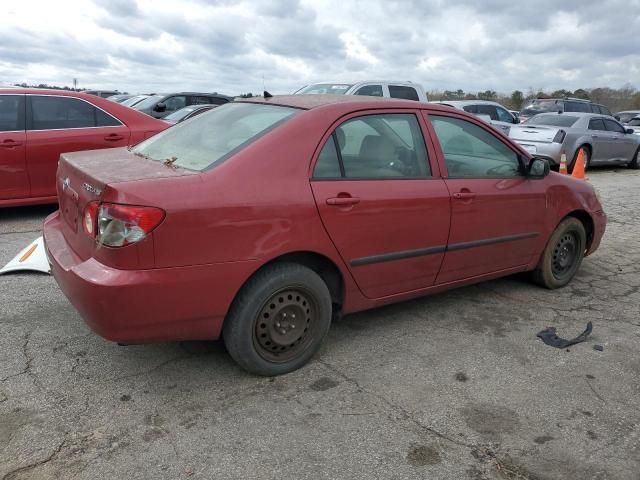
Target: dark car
(263,219)
(161,105)
(37,125)
(561,105)
(187,112)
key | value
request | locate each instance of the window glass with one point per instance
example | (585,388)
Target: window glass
(504,116)
(471,151)
(104,120)
(605,111)
(207,100)
(370,90)
(489,110)
(596,124)
(328,88)
(209,139)
(11,113)
(399,91)
(577,107)
(555,120)
(148,102)
(175,103)
(61,112)
(383,146)
(328,164)
(470,108)
(613,126)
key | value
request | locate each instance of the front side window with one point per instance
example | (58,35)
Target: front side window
(613,126)
(504,116)
(488,110)
(11,113)
(175,103)
(53,113)
(400,91)
(370,90)
(471,151)
(207,140)
(375,147)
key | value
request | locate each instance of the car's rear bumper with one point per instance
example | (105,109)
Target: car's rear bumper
(599,227)
(137,306)
(549,151)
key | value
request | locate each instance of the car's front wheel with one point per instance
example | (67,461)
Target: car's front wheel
(563,254)
(635,161)
(278,320)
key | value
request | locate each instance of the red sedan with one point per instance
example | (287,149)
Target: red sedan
(37,125)
(262,220)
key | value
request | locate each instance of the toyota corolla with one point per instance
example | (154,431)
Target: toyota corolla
(262,220)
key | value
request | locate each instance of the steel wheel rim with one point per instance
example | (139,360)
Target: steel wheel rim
(285,325)
(564,255)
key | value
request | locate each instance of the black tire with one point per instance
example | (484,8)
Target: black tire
(635,161)
(563,254)
(587,159)
(278,320)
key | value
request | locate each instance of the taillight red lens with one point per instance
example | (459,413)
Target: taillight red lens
(116,225)
(89,218)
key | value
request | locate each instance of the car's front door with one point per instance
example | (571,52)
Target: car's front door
(624,145)
(382,202)
(14,180)
(59,124)
(602,141)
(497,214)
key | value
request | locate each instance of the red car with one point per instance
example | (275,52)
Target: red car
(262,220)
(37,125)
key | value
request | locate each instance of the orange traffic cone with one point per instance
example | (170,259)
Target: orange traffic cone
(563,164)
(578,168)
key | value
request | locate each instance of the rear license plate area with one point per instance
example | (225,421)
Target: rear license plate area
(69,207)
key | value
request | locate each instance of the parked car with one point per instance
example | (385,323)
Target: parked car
(120,98)
(635,125)
(626,116)
(161,105)
(371,88)
(102,93)
(560,105)
(131,102)
(263,219)
(492,112)
(187,113)
(516,114)
(602,139)
(37,125)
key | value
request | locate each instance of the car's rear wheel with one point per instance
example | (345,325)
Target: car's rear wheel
(587,158)
(563,254)
(278,320)
(635,161)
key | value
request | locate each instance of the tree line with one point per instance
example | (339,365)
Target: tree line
(625,98)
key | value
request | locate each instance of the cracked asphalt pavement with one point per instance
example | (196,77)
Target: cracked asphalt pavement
(452,386)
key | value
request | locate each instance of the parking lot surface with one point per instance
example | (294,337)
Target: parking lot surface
(452,386)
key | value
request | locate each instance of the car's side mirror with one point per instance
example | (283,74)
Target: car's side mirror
(516,120)
(629,130)
(617,117)
(538,168)
(160,107)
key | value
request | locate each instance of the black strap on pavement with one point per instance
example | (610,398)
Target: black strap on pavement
(549,336)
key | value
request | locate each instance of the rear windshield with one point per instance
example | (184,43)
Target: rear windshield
(556,120)
(209,139)
(328,88)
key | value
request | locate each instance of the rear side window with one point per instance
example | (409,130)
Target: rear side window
(605,111)
(503,115)
(613,126)
(52,113)
(596,124)
(370,90)
(375,147)
(399,91)
(577,107)
(11,113)
(207,140)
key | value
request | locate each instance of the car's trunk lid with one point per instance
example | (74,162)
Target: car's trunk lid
(533,133)
(84,177)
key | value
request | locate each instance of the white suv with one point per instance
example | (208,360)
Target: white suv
(405,90)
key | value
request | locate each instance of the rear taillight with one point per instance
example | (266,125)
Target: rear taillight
(115,225)
(559,138)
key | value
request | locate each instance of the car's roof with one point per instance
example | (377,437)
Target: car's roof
(308,102)
(628,111)
(395,82)
(462,103)
(44,91)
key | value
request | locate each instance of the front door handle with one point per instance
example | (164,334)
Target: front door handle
(10,143)
(113,137)
(464,195)
(343,201)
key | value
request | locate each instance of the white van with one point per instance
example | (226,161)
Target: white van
(404,90)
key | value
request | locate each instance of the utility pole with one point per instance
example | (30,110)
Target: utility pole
(75,84)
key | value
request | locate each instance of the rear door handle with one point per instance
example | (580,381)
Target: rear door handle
(343,201)
(594,136)
(464,195)
(113,137)
(10,144)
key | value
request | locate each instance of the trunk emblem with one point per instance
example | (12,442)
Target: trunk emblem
(91,189)
(66,183)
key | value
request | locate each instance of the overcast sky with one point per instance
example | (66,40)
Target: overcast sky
(229,46)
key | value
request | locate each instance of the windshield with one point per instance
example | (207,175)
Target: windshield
(541,106)
(149,102)
(555,120)
(320,88)
(133,100)
(209,139)
(635,122)
(180,114)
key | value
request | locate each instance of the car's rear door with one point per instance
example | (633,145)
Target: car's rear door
(497,214)
(382,201)
(14,180)
(59,124)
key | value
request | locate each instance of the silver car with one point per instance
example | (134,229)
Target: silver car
(491,112)
(603,139)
